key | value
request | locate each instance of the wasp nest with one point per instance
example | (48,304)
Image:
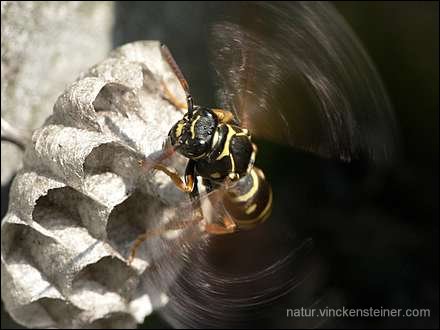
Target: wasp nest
(81,199)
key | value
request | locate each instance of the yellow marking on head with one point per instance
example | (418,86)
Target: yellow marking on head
(251,208)
(216,175)
(225,151)
(251,192)
(193,126)
(179,128)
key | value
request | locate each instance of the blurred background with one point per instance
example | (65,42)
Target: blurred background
(375,231)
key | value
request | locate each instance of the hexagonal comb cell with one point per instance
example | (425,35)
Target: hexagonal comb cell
(80,200)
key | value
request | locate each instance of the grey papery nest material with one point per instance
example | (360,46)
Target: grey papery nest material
(44,45)
(81,199)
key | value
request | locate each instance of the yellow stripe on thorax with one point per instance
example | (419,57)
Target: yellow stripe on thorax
(229,136)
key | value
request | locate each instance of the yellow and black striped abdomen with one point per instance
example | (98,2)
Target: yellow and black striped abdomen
(249,201)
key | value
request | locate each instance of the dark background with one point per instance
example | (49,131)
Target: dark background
(375,231)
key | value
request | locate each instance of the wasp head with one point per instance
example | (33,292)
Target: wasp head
(192,135)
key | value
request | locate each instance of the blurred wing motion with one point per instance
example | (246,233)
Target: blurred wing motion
(294,72)
(218,281)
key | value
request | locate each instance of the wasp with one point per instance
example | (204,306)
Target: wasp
(222,154)
(292,73)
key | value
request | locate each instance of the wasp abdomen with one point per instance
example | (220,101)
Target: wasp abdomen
(249,201)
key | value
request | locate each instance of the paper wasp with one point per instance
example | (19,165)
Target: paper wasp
(221,153)
(292,73)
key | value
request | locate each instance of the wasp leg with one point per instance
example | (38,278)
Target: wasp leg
(223,116)
(188,185)
(228,227)
(172,99)
(191,178)
(156,232)
(139,240)
(185,186)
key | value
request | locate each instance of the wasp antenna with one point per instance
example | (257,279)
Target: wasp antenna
(183,82)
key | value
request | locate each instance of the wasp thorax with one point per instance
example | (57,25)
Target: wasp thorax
(192,135)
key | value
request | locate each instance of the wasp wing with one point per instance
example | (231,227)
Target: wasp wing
(241,280)
(293,72)
(235,280)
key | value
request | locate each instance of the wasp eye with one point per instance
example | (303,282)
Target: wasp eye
(176,133)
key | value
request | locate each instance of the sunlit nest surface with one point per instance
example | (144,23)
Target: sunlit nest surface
(81,199)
